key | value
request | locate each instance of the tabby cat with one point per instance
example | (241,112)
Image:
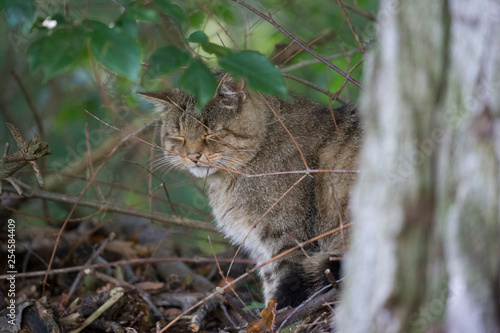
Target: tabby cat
(243,131)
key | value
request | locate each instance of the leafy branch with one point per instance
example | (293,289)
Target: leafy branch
(306,48)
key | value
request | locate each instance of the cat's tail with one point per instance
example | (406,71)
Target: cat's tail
(316,266)
(306,278)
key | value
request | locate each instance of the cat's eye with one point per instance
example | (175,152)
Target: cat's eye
(212,137)
(176,139)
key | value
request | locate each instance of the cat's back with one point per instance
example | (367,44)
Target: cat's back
(315,128)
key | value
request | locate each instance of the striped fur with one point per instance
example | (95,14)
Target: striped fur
(241,133)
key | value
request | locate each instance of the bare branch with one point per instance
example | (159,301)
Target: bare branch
(351,26)
(360,11)
(127,210)
(305,63)
(28,153)
(141,261)
(250,272)
(312,85)
(298,42)
(33,108)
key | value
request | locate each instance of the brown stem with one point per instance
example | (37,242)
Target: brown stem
(124,263)
(298,42)
(360,11)
(241,277)
(315,87)
(351,26)
(33,108)
(106,207)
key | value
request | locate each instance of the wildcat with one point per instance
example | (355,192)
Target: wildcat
(237,130)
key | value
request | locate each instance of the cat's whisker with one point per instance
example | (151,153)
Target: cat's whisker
(165,162)
(162,160)
(170,168)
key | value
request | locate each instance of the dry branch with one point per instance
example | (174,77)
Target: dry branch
(305,63)
(208,306)
(115,294)
(79,165)
(351,26)
(241,277)
(28,153)
(313,304)
(298,42)
(124,263)
(360,11)
(115,208)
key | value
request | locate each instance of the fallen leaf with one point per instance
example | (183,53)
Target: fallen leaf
(226,281)
(263,324)
(148,285)
(125,248)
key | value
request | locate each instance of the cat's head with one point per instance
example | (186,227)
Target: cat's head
(227,133)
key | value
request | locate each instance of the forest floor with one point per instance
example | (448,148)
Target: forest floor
(130,276)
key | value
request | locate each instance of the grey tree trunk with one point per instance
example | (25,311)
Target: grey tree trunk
(425,255)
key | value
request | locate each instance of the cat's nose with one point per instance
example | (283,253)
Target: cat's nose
(194,156)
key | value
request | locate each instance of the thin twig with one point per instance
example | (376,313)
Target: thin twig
(94,255)
(331,278)
(176,319)
(299,309)
(351,26)
(106,207)
(217,166)
(39,124)
(140,261)
(298,42)
(305,63)
(33,108)
(59,234)
(315,87)
(23,147)
(286,129)
(129,286)
(360,11)
(209,14)
(262,217)
(115,295)
(223,292)
(303,171)
(162,184)
(51,219)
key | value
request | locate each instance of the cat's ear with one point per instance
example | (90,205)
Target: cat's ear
(161,99)
(232,88)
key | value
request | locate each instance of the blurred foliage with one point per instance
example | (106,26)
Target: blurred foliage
(94,55)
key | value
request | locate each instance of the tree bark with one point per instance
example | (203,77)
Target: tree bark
(425,254)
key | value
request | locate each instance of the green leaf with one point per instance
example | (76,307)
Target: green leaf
(218,50)
(198,37)
(34,55)
(259,72)
(199,81)
(19,12)
(201,38)
(142,14)
(61,51)
(172,10)
(222,11)
(167,59)
(196,20)
(127,26)
(116,50)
